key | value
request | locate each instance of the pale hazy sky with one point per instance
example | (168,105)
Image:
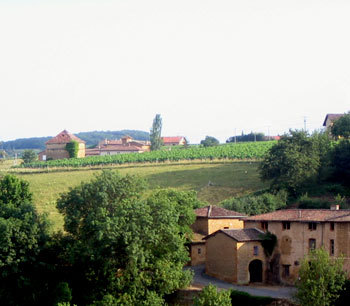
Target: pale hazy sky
(207,66)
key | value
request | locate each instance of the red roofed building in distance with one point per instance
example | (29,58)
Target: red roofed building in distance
(56,147)
(120,146)
(174,141)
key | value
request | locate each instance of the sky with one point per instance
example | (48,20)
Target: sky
(208,67)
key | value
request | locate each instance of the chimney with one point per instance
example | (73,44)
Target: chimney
(335,207)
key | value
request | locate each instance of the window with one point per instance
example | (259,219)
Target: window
(285,271)
(256,251)
(332,226)
(199,251)
(331,247)
(226,227)
(285,225)
(312,244)
(312,226)
(264,225)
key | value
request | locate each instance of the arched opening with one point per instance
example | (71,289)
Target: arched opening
(255,271)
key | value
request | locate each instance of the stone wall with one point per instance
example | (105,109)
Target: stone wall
(217,224)
(221,261)
(198,253)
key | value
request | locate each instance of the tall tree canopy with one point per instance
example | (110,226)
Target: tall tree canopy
(341,127)
(124,244)
(155,133)
(23,234)
(209,141)
(295,160)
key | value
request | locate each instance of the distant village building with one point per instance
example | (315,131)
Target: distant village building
(236,254)
(330,118)
(174,141)
(56,147)
(125,145)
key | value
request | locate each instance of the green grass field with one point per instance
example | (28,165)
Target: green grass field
(227,179)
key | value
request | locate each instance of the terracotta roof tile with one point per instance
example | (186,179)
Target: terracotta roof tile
(64,137)
(245,234)
(301,215)
(172,139)
(213,211)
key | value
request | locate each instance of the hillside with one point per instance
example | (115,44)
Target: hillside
(214,181)
(91,138)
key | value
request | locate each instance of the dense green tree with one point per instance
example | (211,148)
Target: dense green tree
(247,137)
(123,243)
(341,126)
(29,156)
(23,234)
(257,204)
(341,162)
(295,161)
(321,278)
(155,133)
(209,141)
(210,296)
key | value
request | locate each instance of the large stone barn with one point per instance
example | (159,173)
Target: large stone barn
(56,147)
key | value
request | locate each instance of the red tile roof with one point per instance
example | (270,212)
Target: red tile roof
(174,139)
(332,117)
(240,235)
(213,211)
(64,137)
(304,215)
(121,148)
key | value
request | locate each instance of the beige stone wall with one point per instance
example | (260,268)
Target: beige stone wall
(81,152)
(245,255)
(216,224)
(58,151)
(198,254)
(293,244)
(221,257)
(200,226)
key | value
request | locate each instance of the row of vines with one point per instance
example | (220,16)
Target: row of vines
(252,150)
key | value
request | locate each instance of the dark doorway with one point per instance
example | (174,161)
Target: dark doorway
(255,271)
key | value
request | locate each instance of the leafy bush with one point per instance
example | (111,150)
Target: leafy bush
(210,296)
(257,204)
(28,156)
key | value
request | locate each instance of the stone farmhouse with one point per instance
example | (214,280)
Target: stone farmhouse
(236,254)
(174,141)
(125,145)
(56,147)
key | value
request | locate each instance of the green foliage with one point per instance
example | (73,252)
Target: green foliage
(269,243)
(321,278)
(256,204)
(253,150)
(295,161)
(305,202)
(210,296)
(341,127)
(240,298)
(28,156)
(247,137)
(62,293)
(209,141)
(155,133)
(341,162)
(125,244)
(23,234)
(72,147)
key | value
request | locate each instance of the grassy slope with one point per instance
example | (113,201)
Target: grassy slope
(227,179)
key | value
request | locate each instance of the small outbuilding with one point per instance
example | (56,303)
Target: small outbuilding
(236,255)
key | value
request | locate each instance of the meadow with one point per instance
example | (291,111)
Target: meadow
(213,181)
